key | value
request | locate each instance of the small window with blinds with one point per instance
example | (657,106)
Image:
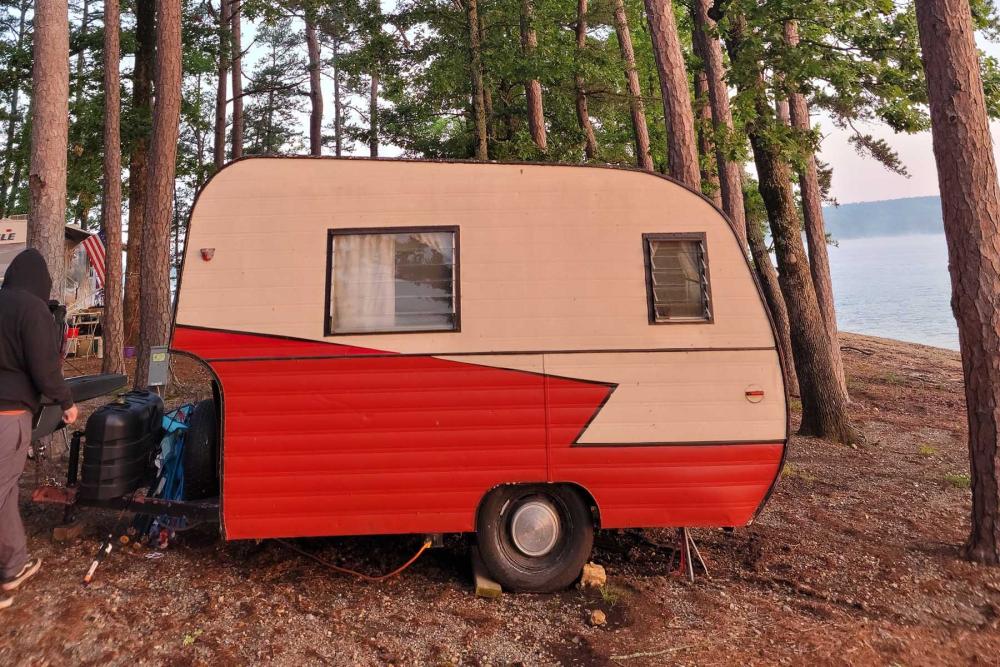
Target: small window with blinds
(677,282)
(392,280)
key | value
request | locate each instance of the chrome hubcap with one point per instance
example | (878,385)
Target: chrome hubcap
(534,528)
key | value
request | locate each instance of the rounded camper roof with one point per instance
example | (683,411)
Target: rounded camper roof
(665,180)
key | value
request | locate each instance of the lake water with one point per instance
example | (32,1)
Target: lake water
(895,287)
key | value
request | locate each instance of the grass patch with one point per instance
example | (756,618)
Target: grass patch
(791,472)
(959,481)
(926,450)
(612,595)
(893,379)
(192,637)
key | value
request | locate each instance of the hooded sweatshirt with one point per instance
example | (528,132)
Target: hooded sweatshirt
(30,364)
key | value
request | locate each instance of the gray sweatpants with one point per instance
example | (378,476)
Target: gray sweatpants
(15,436)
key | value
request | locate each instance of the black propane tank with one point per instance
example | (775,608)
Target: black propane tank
(120,442)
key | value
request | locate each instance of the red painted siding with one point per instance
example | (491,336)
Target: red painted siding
(338,442)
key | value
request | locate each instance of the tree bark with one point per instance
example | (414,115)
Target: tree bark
(769,285)
(783,111)
(222,87)
(338,107)
(111,207)
(682,146)
(236,15)
(709,48)
(476,65)
(824,404)
(155,310)
(532,87)
(637,108)
(142,99)
(15,182)
(582,110)
(49,138)
(315,87)
(812,214)
(970,201)
(373,114)
(491,129)
(81,55)
(706,145)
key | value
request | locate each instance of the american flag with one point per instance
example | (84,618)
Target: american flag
(95,251)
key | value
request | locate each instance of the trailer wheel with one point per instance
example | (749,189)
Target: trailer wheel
(534,538)
(200,460)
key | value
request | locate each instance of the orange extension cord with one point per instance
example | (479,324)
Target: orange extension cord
(353,573)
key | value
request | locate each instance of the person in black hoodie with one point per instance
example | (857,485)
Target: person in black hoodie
(30,366)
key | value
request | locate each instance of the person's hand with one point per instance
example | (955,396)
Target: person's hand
(70,414)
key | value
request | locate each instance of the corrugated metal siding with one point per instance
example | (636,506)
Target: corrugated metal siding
(410,444)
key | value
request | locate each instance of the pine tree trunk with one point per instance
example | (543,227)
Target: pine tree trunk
(582,110)
(7,184)
(706,146)
(111,207)
(824,404)
(768,279)
(637,108)
(812,214)
(708,47)
(476,66)
(315,87)
(491,130)
(142,100)
(81,59)
(532,87)
(222,87)
(236,15)
(781,109)
(155,310)
(200,136)
(373,114)
(15,180)
(970,201)
(49,138)
(682,146)
(338,107)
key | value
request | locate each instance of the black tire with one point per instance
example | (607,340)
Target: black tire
(514,569)
(201,459)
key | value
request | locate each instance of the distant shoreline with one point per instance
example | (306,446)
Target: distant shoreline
(892,217)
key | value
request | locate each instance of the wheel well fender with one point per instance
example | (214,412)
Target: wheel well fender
(579,489)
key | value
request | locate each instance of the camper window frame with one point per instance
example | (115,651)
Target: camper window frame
(333,233)
(647,252)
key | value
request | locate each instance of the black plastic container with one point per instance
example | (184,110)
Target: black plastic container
(120,442)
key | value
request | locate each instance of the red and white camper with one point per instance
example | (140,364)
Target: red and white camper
(525,352)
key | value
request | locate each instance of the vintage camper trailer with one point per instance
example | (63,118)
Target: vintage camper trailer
(520,351)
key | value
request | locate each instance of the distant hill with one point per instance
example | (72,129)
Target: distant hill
(894,217)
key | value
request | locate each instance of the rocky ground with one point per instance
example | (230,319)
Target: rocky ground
(854,561)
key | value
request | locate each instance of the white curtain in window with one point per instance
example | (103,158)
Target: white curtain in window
(364,290)
(678,289)
(440,241)
(690,265)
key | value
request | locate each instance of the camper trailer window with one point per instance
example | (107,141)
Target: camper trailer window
(392,280)
(677,278)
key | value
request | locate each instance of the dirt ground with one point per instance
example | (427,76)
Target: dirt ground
(854,561)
